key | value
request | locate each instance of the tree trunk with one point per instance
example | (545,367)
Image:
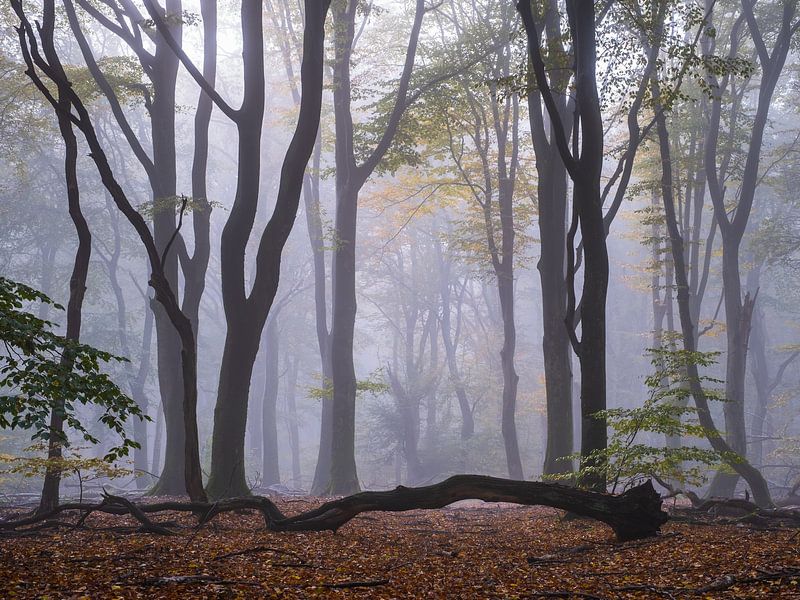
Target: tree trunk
(270,467)
(552,208)
(504,271)
(505,281)
(757,483)
(311,197)
(77,282)
(291,412)
(408,409)
(760,372)
(445,268)
(228,478)
(344,478)
(168,343)
(633,515)
(733,223)
(592,355)
(350,178)
(158,442)
(247,314)
(584,169)
(737,325)
(140,455)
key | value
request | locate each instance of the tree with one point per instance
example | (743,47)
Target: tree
(584,166)
(584,163)
(738,307)
(44,376)
(246,313)
(552,208)
(50,66)
(718,443)
(281,16)
(80,270)
(350,178)
(160,67)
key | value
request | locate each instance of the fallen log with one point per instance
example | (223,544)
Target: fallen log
(633,515)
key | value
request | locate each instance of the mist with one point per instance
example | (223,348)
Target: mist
(456,272)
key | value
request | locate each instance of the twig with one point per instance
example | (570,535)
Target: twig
(564,594)
(354,584)
(257,549)
(188,579)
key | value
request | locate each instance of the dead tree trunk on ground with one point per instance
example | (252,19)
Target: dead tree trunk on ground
(635,514)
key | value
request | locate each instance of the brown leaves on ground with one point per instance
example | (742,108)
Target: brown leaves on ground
(469,551)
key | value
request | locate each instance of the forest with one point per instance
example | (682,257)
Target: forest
(399,298)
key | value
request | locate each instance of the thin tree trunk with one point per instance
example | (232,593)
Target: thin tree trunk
(311,197)
(138,384)
(158,441)
(757,483)
(270,467)
(445,268)
(350,178)
(168,342)
(80,270)
(291,411)
(552,208)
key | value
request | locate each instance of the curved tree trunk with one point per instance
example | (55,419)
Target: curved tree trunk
(247,313)
(584,166)
(635,514)
(744,469)
(80,270)
(552,208)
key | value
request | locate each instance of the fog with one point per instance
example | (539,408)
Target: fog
(437,309)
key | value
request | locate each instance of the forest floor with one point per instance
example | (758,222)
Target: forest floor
(470,550)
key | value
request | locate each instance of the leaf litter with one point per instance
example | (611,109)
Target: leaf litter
(468,551)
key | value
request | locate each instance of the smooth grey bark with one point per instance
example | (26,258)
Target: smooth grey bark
(311,198)
(552,208)
(270,466)
(743,468)
(168,344)
(158,442)
(350,178)
(584,167)
(282,21)
(80,269)
(450,338)
(293,418)
(739,307)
